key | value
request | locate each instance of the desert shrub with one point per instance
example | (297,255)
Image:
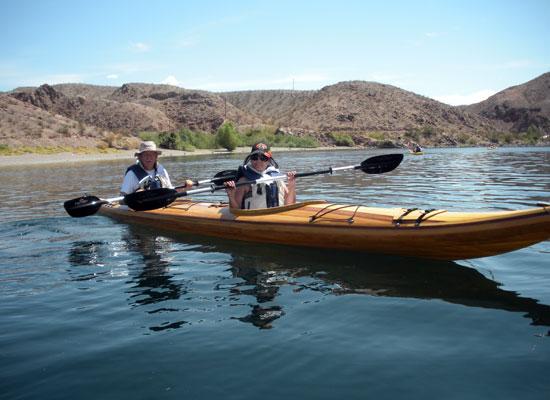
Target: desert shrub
(493,137)
(342,139)
(508,138)
(111,138)
(463,138)
(377,135)
(297,141)
(532,135)
(149,136)
(227,136)
(268,135)
(169,140)
(64,130)
(199,140)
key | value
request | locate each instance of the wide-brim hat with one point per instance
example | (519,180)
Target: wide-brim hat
(147,146)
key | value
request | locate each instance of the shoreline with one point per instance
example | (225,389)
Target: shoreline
(31,159)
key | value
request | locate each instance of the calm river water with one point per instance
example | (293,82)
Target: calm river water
(95,309)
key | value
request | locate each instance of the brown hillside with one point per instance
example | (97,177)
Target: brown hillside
(84,90)
(100,112)
(521,106)
(23,124)
(136,107)
(130,92)
(359,106)
(193,109)
(269,105)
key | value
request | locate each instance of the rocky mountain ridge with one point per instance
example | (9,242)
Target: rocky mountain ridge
(353,107)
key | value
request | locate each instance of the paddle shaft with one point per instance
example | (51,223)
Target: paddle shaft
(266,179)
(220,176)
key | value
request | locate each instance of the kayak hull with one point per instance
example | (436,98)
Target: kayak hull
(437,234)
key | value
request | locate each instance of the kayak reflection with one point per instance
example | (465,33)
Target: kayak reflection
(262,270)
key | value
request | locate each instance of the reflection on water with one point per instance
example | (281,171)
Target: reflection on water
(256,274)
(153,284)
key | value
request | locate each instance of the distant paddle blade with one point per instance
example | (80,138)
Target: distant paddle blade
(83,206)
(381,164)
(150,199)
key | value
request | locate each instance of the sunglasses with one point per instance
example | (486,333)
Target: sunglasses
(255,157)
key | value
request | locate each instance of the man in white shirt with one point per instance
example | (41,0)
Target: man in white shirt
(146,173)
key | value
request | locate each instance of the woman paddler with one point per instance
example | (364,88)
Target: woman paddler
(260,164)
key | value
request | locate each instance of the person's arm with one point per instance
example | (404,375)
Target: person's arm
(290,194)
(235,194)
(129,184)
(166,177)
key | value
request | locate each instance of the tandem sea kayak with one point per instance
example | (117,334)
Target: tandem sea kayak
(436,234)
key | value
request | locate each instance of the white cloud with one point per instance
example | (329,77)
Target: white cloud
(432,34)
(187,42)
(465,99)
(171,80)
(140,47)
(112,76)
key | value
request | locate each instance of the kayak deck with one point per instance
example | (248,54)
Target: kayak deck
(436,234)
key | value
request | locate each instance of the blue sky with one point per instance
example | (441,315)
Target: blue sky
(459,52)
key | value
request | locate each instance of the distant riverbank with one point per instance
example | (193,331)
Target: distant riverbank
(58,158)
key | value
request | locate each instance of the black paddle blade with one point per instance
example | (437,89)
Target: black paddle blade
(220,177)
(83,206)
(224,176)
(150,199)
(381,164)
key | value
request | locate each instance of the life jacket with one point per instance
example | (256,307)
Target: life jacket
(262,195)
(154,182)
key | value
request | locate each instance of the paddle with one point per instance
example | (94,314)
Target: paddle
(158,198)
(89,205)
(222,176)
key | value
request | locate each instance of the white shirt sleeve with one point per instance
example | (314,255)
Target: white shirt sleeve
(129,184)
(162,172)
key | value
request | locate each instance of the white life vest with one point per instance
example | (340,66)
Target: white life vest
(263,195)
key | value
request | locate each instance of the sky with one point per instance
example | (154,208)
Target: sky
(457,52)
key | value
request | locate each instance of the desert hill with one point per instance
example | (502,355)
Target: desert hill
(135,107)
(358,106)
(23,124)
(364,110)
(519,106)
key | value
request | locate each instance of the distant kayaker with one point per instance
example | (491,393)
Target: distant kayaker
(414,147)
(260,164)
(146,173)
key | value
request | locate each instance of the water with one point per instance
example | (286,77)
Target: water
(91,308)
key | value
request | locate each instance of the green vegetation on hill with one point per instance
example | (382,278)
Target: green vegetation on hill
(227,137)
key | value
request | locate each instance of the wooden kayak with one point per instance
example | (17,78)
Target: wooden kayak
(436,234)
